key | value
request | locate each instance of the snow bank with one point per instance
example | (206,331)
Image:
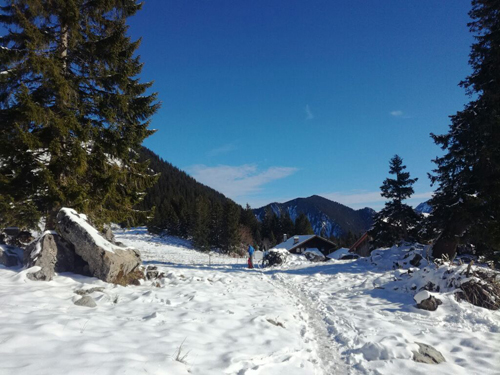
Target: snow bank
(339,253)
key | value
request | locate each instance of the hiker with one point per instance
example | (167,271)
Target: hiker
(250,256)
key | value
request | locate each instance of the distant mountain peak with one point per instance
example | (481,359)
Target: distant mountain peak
(328,218)
(424,208)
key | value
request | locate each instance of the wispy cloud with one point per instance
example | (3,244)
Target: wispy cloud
(397,113)
(309,114)
(222,150)
(238,181)
(359,199)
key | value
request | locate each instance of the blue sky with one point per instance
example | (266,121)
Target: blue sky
(269,100)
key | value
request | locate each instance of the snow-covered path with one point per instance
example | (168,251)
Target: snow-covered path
(212,315)
(375,327)
(202,319)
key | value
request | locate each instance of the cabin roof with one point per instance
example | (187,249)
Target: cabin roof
(290,245)
(362,239)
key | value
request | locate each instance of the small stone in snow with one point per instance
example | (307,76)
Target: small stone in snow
(86,301)
(420,296)
(83,292)
(426,301)
(427,354)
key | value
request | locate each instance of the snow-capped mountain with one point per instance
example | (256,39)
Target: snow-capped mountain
(327,217)
(424,208)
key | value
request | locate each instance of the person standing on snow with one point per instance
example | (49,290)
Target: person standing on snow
(251,250)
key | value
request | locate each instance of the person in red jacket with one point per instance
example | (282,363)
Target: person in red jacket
(251,250)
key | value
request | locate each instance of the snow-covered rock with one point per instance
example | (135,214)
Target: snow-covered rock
(314,255)
(107,261)
(339,253)
(275,257)
(427,301)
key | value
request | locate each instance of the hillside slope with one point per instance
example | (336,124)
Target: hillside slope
(174,196)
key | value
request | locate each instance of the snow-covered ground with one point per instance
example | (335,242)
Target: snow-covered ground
(212,315)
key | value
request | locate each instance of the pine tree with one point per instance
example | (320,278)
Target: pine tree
(467,200)
(231,234)
(201,224)
(303,225)
(268,227)
(286,224)
(72,111)
(248,220)
(216,225)
(394,221)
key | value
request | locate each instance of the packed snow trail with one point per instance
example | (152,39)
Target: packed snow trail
(375,325)
(212,315)
(313,329)
(202,319)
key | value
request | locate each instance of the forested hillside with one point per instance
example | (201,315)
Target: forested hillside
(186,208)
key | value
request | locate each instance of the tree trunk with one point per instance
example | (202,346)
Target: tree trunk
(64,46)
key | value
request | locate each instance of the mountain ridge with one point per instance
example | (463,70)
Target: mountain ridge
(328,218)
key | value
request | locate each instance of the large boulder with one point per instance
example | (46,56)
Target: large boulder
(50,252)
(106,261)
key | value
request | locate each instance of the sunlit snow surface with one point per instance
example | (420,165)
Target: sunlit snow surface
(324,318)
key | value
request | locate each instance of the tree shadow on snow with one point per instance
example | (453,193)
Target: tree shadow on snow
(395,301)
(327,268)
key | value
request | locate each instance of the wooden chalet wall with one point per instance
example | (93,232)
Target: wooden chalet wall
(326,247)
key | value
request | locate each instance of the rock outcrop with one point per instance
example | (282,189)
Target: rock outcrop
(50,252)
(106,261)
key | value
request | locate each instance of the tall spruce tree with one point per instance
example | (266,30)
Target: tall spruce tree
(467,200)
(287,225)
(231,234)
(72,111)
(394,221)
(303,225)
(201,224)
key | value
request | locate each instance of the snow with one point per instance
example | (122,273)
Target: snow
(290,243)
(424,208)
(421,296)
(314,251)
(339,253)
(99,240)
(368,308)
(336,317)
